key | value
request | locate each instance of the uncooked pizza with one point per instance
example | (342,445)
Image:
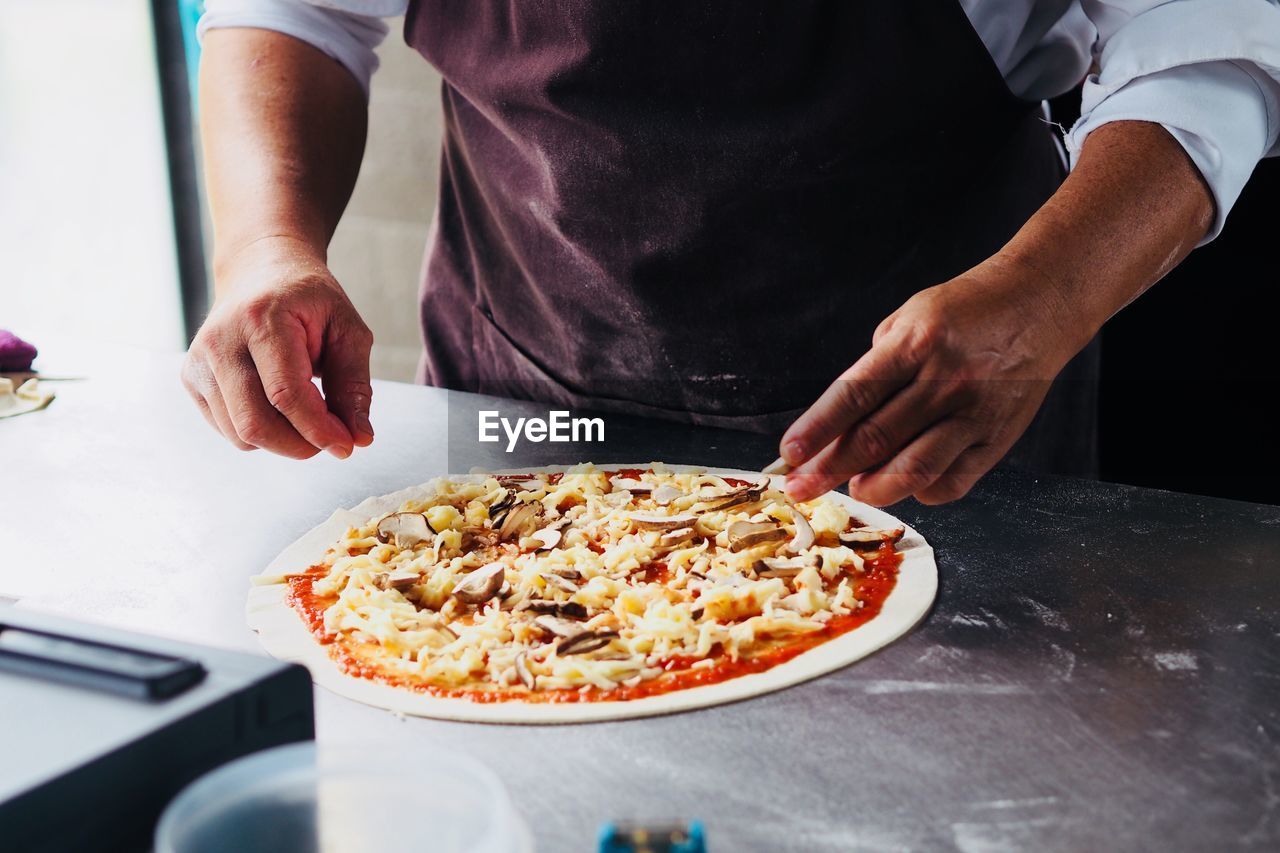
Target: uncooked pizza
(587,586)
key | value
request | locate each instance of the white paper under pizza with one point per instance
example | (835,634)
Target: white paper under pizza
(283,633)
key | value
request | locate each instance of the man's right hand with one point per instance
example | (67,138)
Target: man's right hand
(280,319)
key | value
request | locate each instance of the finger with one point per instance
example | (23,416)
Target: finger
(203,405)
(198,379)
(284,368)
(345,377)
(916,467)
(875,439)
(971,465)
(968,468)
(198,398)
(254,419)
(861,389)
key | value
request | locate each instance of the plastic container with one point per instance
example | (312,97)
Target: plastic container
(351,798)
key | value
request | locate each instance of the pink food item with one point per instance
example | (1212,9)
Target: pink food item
(15,353)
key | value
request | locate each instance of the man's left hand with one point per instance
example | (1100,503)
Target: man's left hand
(951,381)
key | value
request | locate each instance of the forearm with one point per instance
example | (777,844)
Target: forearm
(1131,210)
(283,130)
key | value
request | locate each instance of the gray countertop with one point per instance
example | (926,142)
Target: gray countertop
(1101,669)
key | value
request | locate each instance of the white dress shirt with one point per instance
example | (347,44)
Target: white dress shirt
(1207,70)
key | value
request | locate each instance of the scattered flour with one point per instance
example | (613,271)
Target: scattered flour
(1175,661)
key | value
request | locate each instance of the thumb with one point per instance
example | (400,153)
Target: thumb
(344,375)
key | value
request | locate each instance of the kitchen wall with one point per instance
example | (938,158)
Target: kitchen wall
(377,251)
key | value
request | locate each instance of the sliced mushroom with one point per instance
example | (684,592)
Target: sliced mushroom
(522,672)
(782,567)
(573,610)
(399,579)
(539,605)
(528,484)
(722,502)
(520,520)
(665,494)
(562,584)
(749,534)
(405,529)
(549,537)
(586,641)
(868,539)
(736,497)
(481,585)
(498,509)
(478,537)
(633,486)
(804,537)
(653,521)
(675,537)
(522,482)
(566,609)
(565,572)
(559,627)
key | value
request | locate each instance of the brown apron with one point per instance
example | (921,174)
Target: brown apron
(701,210)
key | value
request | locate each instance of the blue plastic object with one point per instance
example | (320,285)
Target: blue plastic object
(622,837)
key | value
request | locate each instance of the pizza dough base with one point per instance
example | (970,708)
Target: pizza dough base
(283,633)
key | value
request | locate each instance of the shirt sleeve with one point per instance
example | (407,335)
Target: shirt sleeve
(348,34)
(1207,70)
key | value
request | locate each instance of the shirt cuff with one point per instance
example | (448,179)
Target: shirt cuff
(1225,114)
(1186,32)
(349,39)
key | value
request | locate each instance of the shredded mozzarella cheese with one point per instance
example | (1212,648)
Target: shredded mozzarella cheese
(620,592)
